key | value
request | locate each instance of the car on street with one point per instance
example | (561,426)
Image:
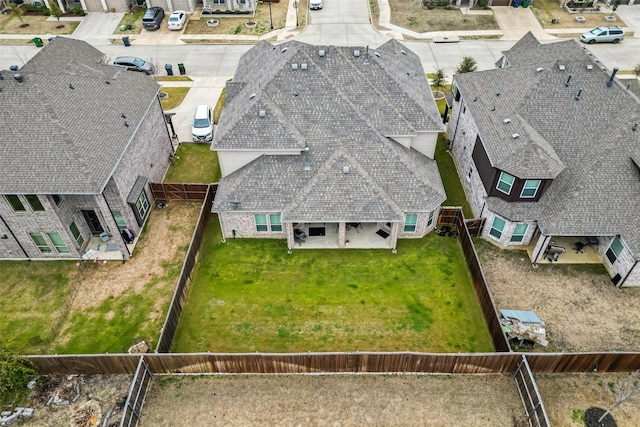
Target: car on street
(315,4)
(152,18)
(177,19)
(603,35)
(134,64)
(202,128)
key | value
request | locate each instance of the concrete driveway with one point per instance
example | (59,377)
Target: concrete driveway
(515,22)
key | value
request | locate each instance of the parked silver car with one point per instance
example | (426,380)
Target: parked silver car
(603,35)
(134,64)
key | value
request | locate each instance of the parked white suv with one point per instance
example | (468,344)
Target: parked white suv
(603,35)
(315,4)
(202,128)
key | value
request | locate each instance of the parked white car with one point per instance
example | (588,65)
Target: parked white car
(177,19)
(315,4)
(202,128)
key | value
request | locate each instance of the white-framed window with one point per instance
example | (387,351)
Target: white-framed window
(519,232)
(615,249)
(219,1)
(505,183)
(75,231)
(497,227)
(430,221)
(15,202)
(40,243)
(58,243)
(120,221)
(410,222)
(57,199)
(34,202)
(275,222)
(530,188)
(261,222)
(142,205)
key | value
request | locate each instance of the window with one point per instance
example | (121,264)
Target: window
(58,243)
(530,188)
(76,234)
(505,183)
(219,1)
(142,205)
(615,249)
(119,220)
(410,222)
(34,202)
(497,227)
(15,202)
(41,244)
(57,199)
(519,232)
(274,220)
(261,223)
(430,218)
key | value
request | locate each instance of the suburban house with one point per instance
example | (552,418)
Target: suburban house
(211,6)
(328,147)
(548,148)
(80,141)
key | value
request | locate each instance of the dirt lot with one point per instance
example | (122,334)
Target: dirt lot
(373,400)
(567,396)
(582,310)
(98,395)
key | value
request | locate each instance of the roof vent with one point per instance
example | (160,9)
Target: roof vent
(566,84)
(589,66)
(356,53)
(294,66)
(307,164)
(539,69)
(404,52)
(506,121)
(515,136)
(377,54)
(283,50)
(303,66)
(561,67)
(346,170)
(262,113)
(18,78)
(613,75)
(13,68)
(321,52)
(578,95)
(253,95)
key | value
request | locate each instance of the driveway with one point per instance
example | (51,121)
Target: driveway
(515,22)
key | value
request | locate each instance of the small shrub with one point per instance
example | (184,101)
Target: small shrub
(482,3)
(76,11)
(238,29)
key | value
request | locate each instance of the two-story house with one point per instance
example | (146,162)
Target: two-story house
(80,141)
(328,147)
(548,146)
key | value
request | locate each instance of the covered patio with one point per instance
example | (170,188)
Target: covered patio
(362,235)
(577,250)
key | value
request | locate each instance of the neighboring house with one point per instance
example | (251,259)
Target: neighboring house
(80,140)
(548,146)
(336,143)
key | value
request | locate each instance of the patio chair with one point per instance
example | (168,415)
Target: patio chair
(299,236)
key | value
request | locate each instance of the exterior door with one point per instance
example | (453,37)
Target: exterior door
(93,221)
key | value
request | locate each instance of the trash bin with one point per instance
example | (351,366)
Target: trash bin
(516,3)
(182,70)
(525,3)
(125,41)
(14,68)
(169,69)
(37,41)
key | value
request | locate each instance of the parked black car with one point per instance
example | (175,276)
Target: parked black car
(152,18)
(134,64)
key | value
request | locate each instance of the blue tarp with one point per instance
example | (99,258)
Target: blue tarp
(521,315)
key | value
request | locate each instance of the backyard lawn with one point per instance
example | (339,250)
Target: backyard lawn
(194,164)
(249,295)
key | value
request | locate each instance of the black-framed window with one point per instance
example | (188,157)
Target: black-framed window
(34,202)
(57,199)
(615,249)
(15,202)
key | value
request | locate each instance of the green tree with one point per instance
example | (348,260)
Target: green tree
(438,79)
(55,9)
(15,373)
(16,10)
(468,65)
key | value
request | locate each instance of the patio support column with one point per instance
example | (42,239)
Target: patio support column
(342,235)
(290,240)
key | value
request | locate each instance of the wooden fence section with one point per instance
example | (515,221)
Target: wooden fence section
(168,331)
(165,192)
(137,395)
(86,364)
(530,396)
(491,318)
(583,362)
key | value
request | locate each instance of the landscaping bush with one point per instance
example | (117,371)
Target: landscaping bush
(76,11)
(37,9)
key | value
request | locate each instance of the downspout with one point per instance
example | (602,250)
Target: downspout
(18,241)
(114,220)
(627,275)
(457,123)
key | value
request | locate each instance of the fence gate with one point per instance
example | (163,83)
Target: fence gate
(530,395)
(137,394)
(449,215)
(475,226)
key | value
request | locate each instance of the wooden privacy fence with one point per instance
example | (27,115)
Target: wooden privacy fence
(137,395)
(530,396)
(168,331)
(165,192)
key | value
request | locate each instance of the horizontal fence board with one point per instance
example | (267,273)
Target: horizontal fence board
(583,362)
(86,364)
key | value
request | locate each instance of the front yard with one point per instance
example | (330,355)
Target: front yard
(248,295)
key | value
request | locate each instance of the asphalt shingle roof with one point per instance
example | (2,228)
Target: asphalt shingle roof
(63,126)
(597,187)
(342,107)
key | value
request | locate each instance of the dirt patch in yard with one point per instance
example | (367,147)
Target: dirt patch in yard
(376,400)
(582,310)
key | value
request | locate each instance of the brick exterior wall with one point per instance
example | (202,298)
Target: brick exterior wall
(244,225)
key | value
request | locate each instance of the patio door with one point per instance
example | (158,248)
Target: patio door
(93,221)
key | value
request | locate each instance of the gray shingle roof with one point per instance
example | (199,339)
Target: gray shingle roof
(598,191)
(342,109)
(63,130)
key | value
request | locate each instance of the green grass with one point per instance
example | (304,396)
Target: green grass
(452,186)
(31,300)
(176,96)
(194,164)
(249,295)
